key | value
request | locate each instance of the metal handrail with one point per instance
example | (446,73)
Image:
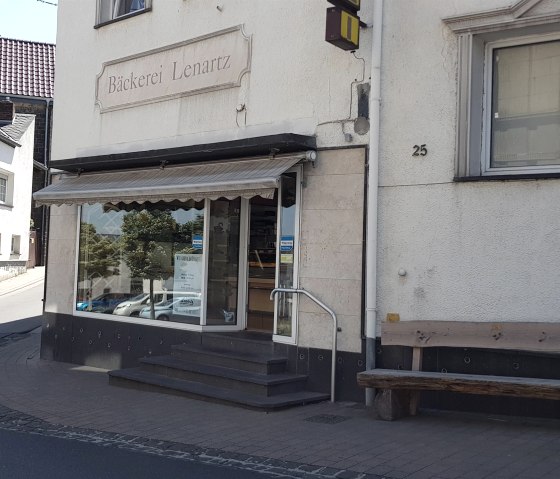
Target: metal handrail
(335,326)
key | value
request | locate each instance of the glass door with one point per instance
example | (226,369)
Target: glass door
(287,257)
(261,271)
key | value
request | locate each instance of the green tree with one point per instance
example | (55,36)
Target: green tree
(99,255)
(186,232)
(147,243)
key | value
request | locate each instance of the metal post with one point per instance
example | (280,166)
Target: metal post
(335,326)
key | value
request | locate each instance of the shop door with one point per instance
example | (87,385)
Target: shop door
(261,270)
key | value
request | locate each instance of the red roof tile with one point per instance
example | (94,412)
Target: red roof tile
(26,68)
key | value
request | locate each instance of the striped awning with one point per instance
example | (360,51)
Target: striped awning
(229,179)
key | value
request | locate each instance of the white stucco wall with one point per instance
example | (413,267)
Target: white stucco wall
(15,217)
(298,83)
(471,251)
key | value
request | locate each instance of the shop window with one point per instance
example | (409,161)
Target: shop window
(508,119)
(223,262)
(110,10)
(142,261)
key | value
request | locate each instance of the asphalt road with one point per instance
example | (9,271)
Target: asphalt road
(23,303)
(30,456)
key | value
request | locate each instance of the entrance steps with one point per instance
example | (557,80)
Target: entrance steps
(225,368)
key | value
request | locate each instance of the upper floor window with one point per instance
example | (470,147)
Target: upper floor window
(109,10)
(508,117)
(3,189)
(522,119)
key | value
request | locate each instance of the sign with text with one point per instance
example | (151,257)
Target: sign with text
(188,273)
(212,62)
(187,284)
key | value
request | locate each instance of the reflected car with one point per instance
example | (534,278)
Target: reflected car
(104,303)
(185,305)
(133,306)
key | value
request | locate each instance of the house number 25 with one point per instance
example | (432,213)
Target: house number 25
(419,150)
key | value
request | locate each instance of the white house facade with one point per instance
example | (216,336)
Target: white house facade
(16,172)
(469,188)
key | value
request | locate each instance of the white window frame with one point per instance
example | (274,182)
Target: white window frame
(15,249)
(293,338)
(9,197)
(477,32)
(4,180)
(113,6)
(486,154)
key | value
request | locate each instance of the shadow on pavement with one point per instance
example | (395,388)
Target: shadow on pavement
(21,326)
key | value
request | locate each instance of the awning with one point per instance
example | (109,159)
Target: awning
(229,179)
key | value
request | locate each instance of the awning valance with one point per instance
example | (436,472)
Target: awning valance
(229,179)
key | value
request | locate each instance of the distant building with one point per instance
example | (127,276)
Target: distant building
(16,172)
(27,79)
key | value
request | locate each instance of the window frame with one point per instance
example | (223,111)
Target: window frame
(99,23)
(15,248)
(487,97)
(474,31)
(5,179)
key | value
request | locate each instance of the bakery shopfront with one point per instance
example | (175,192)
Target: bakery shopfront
(208,240)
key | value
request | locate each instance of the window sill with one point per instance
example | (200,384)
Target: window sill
(6,206)
(522,176)
(123,17)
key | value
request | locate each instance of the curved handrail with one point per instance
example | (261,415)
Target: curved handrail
(335,325)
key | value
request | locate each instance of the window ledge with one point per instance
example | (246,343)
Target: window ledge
(6,206)
(123,17)
(526,176)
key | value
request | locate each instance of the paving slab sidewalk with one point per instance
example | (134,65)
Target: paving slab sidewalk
(29,278)
(323,440)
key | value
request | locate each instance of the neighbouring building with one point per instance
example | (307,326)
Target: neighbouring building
(27,79)
(469,188)
(204,164)
(16,175)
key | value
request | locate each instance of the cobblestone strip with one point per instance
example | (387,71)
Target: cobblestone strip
(13,420)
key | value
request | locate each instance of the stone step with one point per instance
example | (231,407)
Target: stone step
(254,344)
(240,380)
(253,362)
(139,379)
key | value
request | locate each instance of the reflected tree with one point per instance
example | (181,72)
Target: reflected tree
(99,255)
(147,243)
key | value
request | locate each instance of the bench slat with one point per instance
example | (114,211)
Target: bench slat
(462,383)
(522,336)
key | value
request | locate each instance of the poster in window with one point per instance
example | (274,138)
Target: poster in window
(187,284)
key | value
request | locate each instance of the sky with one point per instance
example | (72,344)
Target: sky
(28,20)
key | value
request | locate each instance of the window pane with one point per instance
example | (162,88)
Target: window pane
(223,262)
(142,260)
(287,253)
(526,105)
(3,189)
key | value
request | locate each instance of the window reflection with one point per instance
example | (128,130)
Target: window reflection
(142,260)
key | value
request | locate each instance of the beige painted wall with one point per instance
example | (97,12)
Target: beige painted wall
(331,242)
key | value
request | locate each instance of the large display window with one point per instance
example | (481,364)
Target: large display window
(142,261)
(208,264)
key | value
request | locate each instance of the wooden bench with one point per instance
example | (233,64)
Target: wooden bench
(398,390)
